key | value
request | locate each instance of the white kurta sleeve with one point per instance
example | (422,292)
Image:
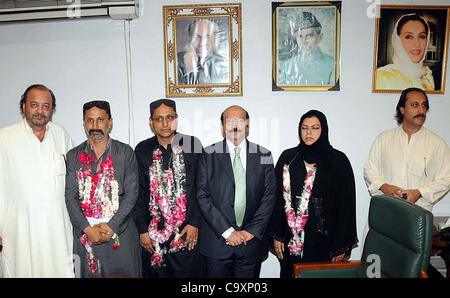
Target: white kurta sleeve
(435,190)
(2,191)
(372,169)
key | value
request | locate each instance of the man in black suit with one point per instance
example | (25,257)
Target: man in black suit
(166,173)
(235,192)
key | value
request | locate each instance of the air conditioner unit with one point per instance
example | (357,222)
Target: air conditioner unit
(35,10)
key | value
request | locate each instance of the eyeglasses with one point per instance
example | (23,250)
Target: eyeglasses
(235,120)
(168,118)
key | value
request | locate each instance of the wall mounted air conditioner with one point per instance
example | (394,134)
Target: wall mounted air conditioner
(35,10)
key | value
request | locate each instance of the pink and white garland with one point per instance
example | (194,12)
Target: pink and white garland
(297,222)
(167,202)
(99,199)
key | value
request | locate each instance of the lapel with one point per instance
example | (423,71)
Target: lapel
(223,155)
(251,164)
(187,157)
(178,139)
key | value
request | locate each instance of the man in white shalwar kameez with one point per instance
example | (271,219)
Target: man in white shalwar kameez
(34,224)
(410,161)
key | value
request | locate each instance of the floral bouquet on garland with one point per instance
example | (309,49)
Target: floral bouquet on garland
(168,202)
(99,199)
(297,222)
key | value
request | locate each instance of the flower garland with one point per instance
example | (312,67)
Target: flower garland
(167,203)
(297,222)
(99,198)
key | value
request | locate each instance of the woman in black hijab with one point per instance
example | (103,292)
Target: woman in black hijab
(314,218)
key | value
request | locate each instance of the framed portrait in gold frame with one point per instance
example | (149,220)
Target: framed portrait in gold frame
(411,45)
(203,50)
(306,46)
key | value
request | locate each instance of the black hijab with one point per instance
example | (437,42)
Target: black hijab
(332,204)
(320,149)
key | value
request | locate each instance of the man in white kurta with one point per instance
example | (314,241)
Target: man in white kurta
(423,164)
(410,157)
(34,224)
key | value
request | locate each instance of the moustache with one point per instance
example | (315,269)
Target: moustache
(96,130)
(234,130)
(420,115)
(39,115)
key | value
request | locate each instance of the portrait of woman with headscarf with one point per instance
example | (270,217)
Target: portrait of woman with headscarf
(409,39)
(314,218)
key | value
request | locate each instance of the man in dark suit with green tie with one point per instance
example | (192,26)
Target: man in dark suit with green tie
(235,192)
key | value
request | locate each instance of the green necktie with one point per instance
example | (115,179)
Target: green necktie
(239,192)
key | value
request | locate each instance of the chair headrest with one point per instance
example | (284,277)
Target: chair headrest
(403,221)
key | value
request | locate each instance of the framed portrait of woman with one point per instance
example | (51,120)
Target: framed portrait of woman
(306,46)
(203,50)
(411,45)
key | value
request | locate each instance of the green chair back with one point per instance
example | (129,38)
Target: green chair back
(399,237)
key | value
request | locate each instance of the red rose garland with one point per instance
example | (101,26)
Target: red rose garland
(168,203)
(297,222)
(99,198)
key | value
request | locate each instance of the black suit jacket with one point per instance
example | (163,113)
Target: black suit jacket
(192,150)
(215,194)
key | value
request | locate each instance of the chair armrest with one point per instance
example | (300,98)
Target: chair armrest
(301,267)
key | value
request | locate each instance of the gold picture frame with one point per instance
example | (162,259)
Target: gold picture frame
(306,46)
(397,64)
(203,50)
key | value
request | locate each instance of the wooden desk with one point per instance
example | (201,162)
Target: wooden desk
(441,248)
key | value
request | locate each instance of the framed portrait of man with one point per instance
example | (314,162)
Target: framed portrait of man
(411,44)
(306,46)
(203,50)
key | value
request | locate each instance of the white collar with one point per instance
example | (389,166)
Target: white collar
(242,145)
(417,133)
(30,130)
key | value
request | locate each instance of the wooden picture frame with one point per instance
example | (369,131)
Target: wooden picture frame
(397,63)
(306,46)
(203,50)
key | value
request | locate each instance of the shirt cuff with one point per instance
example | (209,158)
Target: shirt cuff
(426,194)
(227,233)
(374,188)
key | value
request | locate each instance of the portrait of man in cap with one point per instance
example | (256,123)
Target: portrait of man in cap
(306,48)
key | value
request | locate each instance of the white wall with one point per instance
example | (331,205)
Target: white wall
(85,60)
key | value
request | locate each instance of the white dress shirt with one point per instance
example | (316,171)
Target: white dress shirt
(243,156)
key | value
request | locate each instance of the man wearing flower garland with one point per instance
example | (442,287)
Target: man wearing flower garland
(101,191)
(34,225)
(166,213)
(236,195)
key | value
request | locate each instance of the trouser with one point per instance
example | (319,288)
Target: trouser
(183,264)
(237,266)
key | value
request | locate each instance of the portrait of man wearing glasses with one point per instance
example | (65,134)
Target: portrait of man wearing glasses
(204,59)
(167,164)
